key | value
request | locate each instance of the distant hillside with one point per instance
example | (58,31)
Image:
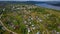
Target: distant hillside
(55,3)
(28,2)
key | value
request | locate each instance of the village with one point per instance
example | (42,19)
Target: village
(30,19)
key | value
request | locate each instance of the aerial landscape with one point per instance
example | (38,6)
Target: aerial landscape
(29,17)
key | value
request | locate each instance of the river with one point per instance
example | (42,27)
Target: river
(49,6)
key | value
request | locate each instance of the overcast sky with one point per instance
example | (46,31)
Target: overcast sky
(29,0)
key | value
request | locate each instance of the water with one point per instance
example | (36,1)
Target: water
(42,4)
(49,6)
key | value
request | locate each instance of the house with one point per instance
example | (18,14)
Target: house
(57,32)
(38,32)
(3,28)
(32,25)
(30,18)
(47,15)
(17,8)
(33,28)
(30,22)
(39,19)
(28,30)
(13,7)
(25,22)
(3,9)
(11,25)
(26,25)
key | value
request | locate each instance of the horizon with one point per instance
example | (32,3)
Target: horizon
(29,0)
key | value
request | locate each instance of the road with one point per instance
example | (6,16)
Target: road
(6,27)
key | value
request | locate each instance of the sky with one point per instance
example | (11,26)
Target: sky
(29,0)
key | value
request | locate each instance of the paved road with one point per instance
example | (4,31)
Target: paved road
(6,27)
